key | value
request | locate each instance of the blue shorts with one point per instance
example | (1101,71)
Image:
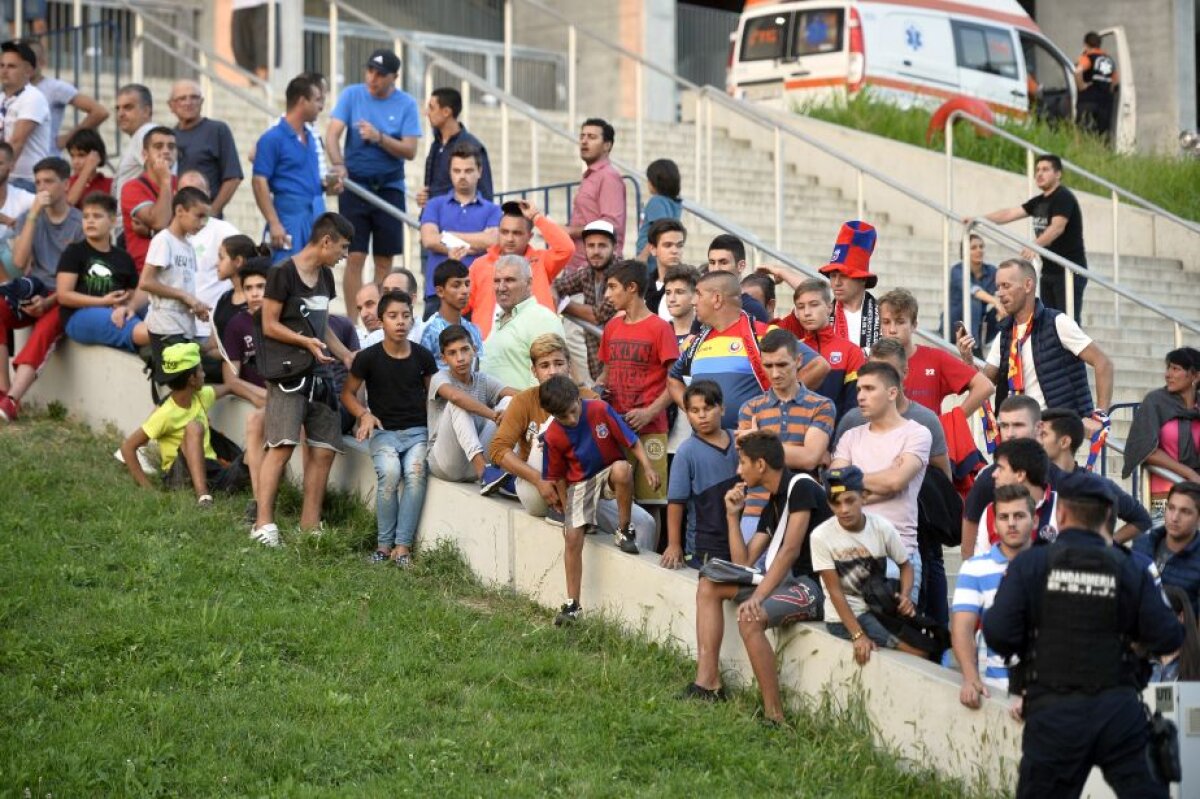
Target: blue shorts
(374,230)
(94,326)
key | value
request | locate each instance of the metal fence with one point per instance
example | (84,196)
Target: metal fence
(108,35)
(472,19)
(702,43)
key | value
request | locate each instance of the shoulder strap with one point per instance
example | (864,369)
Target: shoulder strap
(781,526)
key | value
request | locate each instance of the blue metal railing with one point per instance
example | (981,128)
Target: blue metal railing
(568,190)
(95,41)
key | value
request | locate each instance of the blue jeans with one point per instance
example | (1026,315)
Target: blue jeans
(893,573)
(95,326)
(399,455)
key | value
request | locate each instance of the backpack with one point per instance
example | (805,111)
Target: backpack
(939,510)
(276,360)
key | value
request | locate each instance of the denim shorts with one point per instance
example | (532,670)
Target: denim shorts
(870,625)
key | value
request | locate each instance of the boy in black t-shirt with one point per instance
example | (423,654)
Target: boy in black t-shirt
(304,281)
(97,284)
(1058,227)
(396,373)
(787,593)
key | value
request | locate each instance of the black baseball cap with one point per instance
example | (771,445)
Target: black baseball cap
(847,478)
(22,49)
(384,61)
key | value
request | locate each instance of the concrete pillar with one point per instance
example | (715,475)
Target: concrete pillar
(291,43)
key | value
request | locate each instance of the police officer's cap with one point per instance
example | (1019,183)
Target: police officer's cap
(1084,485)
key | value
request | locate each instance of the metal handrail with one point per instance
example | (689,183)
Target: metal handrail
(197,46)
(1092,176)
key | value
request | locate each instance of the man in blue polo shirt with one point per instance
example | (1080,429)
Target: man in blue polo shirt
(444,106)
(287,176)
(463,214)
(382,126)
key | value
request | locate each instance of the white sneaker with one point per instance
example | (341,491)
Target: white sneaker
(143,460)
(267,535)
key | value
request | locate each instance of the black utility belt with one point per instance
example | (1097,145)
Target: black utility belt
(1050,696)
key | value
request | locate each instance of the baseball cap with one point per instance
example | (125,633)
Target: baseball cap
(600,226)
(179,358)
(847,478)
(385,61)
(22,49)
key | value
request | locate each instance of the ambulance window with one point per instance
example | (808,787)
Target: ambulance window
(985,49)
(765,37)
(818,31)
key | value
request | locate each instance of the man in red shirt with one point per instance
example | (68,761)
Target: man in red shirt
(809,321)
(933,373)
(146,200)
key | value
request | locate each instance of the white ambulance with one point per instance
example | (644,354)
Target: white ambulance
(913,53)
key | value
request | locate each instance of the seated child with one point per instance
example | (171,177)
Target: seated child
(88,153)
(585,457)
(180,426)
(239,371)
(396,373)
(849,549)
(97,284)
(232,254)
(452,282)
(464,408)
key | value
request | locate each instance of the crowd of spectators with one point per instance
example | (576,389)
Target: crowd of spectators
(790,458)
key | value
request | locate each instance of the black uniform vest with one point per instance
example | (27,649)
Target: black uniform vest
(1077,644)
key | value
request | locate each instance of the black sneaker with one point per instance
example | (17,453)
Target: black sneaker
(627,540)
(568,614)
(699,692)
(555,517)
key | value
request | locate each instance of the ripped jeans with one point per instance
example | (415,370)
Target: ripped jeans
(399,455)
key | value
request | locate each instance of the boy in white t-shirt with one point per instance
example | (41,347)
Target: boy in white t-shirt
(847,551)
(169,276)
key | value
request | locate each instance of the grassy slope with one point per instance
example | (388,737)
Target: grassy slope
(148,651)
(1169,182)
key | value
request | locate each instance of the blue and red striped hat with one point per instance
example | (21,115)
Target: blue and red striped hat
(852,253)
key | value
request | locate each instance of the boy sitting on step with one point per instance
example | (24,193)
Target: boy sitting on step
(180,426)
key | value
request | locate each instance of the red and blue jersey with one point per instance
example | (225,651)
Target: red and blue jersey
(576,453)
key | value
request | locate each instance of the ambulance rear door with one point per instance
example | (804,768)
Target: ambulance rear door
(988,66)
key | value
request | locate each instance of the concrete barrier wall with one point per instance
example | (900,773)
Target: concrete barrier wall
(912,705)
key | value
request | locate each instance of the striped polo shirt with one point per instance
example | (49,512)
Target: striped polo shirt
(791,421)
(978,580)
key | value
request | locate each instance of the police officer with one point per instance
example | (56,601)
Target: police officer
(1096,79)
(1071,611)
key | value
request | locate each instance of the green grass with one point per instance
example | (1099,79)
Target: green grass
(1165,180)
(146,650)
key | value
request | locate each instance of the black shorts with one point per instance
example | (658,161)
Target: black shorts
(371,225)
(227,479)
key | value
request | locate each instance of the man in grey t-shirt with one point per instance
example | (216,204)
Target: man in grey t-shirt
(465,408)
(205,145)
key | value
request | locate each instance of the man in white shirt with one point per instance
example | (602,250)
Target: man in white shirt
(135,113)
(25,112)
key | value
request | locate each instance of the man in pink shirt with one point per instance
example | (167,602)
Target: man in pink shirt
(601,193)
(893,453)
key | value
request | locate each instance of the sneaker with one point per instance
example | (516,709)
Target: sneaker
(267,535)
(493,480)
(555,517)
(403,561)
(205,502)
(9,409)
(250,515)
(694,691)
(627,540)
(378,557)
(568,614)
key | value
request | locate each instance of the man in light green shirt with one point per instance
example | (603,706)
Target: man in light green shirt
(506,351)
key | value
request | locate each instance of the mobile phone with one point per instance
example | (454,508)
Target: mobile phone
(960,328)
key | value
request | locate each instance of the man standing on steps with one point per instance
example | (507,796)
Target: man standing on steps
(443,109)
(588,283)
(1057,226)
(25,112)
(287,174)
(205,145)
(135,118)
(1041,352)
(382,126)
(601,193)
(855,314)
